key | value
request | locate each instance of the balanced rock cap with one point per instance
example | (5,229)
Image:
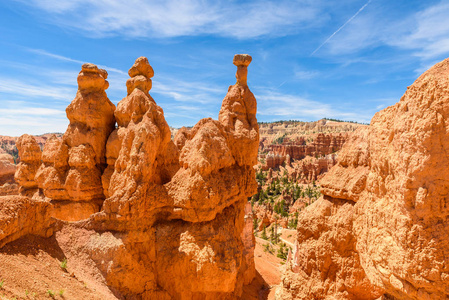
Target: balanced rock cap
(141,67)
(242,60)
(91,68)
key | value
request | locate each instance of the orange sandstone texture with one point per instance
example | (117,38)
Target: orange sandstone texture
(20,216)
(30,159)
(173,224)
(7,168)
(382,226)
(7,171)
(182,206)
(324,144)
(71,168)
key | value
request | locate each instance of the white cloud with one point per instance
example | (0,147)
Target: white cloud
(187,91)
(138,18)
(21,87)
(80,62)
(429,33)
(341,27)
(19,119)
(425,33)
(291,106)
(306,74)
(31,111)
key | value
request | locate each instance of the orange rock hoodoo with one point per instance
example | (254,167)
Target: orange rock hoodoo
(30,159)
(160,219)
(312,169)
(382,227)
(70,173)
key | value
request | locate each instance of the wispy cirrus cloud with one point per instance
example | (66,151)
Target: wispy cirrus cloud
(425,33)
(32,111)
(187,91)
(174,18)
(65,58)
(429,32)
(21,117)
(21,87)
(306,74)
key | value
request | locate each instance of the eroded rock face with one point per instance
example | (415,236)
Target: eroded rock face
(173,224)
(392,181)
(20,215)
(8,185)
(324,144)
(312,169)
(30,159)
(7,168)
(72,166)
(181,204)
(325,261)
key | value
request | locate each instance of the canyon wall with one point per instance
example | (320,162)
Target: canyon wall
(381,229)
(322,145)
(155,218)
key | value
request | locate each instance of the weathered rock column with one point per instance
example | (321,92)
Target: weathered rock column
(30,159)
(70,175)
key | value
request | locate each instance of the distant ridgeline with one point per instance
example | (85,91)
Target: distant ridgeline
(302,122)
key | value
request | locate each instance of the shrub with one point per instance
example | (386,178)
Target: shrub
(64,264)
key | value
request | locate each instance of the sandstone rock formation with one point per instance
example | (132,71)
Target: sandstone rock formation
(249,243)
(382,227)
(7,168)
(8,144)
(273,161)
(295,130)
(21,215)
(7,171)
(312,169)
(191,195)
(71,168)
(323,145)
(30,159)
(172,225)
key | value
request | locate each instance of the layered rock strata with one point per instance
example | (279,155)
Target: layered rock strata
(382,227)
(172,225)
(324,144)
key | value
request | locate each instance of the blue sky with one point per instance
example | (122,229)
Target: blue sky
(311,58)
